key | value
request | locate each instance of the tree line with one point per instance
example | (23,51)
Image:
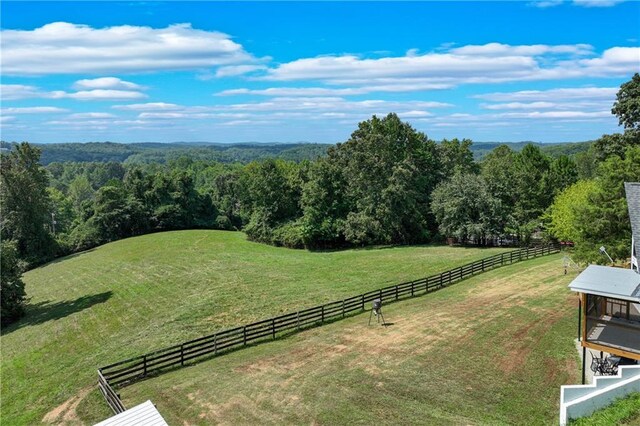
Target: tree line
(387,184)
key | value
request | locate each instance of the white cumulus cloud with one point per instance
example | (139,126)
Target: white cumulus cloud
(100,95)
(33,110)
(597,3)
(499,49)
(10,92)
(91,115)
(473,64)
(149,106)
(106,83)
(68,48)
(553,95)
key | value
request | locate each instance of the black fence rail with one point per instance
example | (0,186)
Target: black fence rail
(134,369)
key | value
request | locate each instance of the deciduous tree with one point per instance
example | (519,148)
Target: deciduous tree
(25,204)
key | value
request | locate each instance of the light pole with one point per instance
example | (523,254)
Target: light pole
(604,251)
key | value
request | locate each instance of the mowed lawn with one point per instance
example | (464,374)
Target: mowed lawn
(494,349)
(140,294)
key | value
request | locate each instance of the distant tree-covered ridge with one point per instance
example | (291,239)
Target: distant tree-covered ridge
(140,153)
(146,153)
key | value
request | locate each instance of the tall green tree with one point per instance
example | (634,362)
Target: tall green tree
(604,219)
(627,104)
(456,157)
(324,205)
(627,109)
(533,197)
(561,219)
(464,208)
(272,194)
(499,172)
(12,293)
(79,192)
(381,181)
(26,207)
(562,173)
(615,144)
(117,214)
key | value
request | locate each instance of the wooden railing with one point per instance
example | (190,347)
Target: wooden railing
(112,398)
(131,370)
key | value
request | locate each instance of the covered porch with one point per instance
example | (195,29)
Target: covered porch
(614,324)
(609,313)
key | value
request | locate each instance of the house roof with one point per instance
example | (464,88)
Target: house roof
(632,189)
(617,283)
(144,414)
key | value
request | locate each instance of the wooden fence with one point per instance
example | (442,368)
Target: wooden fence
(134,369)
(112,398)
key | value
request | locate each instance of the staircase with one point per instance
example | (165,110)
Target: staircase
(582,400)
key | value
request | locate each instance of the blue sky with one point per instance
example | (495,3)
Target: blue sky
(297,71)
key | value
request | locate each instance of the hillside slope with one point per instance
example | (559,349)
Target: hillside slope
(493,349)
(143,293)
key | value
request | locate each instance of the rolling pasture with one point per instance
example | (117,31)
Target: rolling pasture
(135,295)
(493,349)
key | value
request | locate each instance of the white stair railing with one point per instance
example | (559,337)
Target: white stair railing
(582,400)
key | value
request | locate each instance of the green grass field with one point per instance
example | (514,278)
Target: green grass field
(623,412)
(136,295)
(493,349)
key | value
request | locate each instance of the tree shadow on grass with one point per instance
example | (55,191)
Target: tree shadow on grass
(39,313)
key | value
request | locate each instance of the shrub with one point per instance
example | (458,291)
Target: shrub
(223,222)
(289,235)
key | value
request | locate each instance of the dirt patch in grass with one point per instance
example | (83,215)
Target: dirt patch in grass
(419,332)
(66,413)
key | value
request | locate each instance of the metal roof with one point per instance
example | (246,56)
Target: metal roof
(632,190)
(618,283)
(144,414)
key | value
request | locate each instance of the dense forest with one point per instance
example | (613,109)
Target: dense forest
(387,184)
(144,153)
(148,152)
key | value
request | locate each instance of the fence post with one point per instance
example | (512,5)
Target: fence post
(144,362)
(413,286)
(215,344)
(342,308)
(298,320)
(482,265)
(363,302)
(182,354)
(322,314)
(273,328)
(441,273)
(397,291)
(244,335)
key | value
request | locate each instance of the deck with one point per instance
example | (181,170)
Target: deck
(615,333)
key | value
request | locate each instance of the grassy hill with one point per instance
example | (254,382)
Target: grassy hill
(138,294)
(490,350)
